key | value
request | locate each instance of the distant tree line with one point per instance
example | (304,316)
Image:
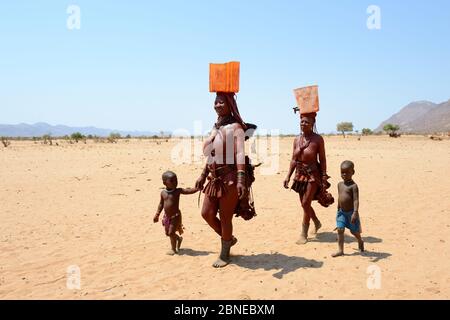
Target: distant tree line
(77,137)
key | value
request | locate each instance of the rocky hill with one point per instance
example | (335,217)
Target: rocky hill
(421,117)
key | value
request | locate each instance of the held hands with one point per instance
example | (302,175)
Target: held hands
(355,217)
(200,182)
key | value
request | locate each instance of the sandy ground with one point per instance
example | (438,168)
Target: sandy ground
(91,205)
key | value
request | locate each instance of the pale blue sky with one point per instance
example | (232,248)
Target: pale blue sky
(143,65)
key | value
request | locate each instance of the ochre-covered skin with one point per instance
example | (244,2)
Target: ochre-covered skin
(170,203)
(226,184)
(310,180)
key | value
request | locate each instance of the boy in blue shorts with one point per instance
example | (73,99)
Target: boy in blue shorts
(348,204)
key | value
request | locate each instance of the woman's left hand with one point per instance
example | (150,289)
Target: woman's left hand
(242,190)
(325,180)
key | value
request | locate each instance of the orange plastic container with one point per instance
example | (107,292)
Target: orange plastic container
(224,77)
(307,99)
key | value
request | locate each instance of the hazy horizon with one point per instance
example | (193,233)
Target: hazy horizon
(148,131)
(144,66)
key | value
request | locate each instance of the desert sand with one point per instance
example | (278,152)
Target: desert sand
(91,205)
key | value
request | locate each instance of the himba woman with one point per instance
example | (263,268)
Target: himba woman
(310,180)
(226,192)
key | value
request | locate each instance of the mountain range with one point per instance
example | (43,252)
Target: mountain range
(42,128)
(416,117)
(421,117)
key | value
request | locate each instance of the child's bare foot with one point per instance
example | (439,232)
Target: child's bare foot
(171,252)
(361,246)
(337,254)
(179,240)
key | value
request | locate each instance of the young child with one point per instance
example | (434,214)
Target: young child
(170,199)
(348,205)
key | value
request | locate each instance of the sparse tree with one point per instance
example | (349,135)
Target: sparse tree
(344,127)
(77,136)
(113,137)
(392,129)
(67,139)
(5,141)
(47,139)
(366,132)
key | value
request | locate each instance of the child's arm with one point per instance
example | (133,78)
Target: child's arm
(355,215)
(188,190)
(160,208)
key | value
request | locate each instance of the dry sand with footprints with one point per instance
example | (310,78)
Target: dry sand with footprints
(91,205)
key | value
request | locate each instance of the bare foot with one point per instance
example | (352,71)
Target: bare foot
(361,246)
(317,226)
(171,252)
(337,254)
(301,240)
(220,263)
(180,239)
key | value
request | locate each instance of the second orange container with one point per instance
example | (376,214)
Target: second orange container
(307,99)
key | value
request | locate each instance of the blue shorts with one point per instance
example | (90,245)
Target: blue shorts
(344,220)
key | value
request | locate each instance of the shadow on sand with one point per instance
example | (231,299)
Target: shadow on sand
(348,238)
(375,256)
(275,261)
(193,253)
